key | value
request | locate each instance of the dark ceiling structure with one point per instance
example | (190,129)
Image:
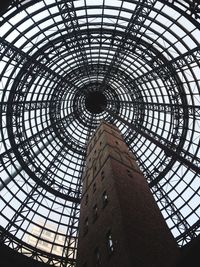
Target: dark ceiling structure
(65,67)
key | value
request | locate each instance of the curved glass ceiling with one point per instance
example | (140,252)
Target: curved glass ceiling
(66,66)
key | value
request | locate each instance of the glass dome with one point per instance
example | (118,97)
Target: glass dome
(65,67)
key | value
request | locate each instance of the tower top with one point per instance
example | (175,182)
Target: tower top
(103,126)
(106,142)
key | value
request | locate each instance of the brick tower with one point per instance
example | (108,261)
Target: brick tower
(120,223)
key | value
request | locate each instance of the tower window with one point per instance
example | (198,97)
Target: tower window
(129,173)
(94,187)
(97,256)
(90,147)
(99,133)
(102,175)
(86,199)
(86,224)
(109,241)
(104,198)
(95,212)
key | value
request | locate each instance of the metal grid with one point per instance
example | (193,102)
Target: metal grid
(144,58)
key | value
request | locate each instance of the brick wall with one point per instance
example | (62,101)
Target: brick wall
(120,223)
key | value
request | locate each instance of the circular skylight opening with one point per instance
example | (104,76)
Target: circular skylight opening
(96,102)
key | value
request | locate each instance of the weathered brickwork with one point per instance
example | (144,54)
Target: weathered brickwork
(120,223)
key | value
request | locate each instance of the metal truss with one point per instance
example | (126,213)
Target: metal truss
(143,57)
(138,17)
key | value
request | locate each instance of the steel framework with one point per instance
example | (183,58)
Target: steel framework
(67,65)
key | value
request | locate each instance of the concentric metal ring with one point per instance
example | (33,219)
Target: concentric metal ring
(57,57)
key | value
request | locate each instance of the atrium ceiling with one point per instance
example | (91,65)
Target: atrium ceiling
(64,67)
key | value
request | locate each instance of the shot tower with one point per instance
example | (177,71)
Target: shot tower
(120,222)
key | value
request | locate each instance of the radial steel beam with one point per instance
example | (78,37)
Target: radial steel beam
(169,151)
(71,22)
(171,209)
(176,63)
(17,171)
(139,15)
(193,110)
(31,64)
